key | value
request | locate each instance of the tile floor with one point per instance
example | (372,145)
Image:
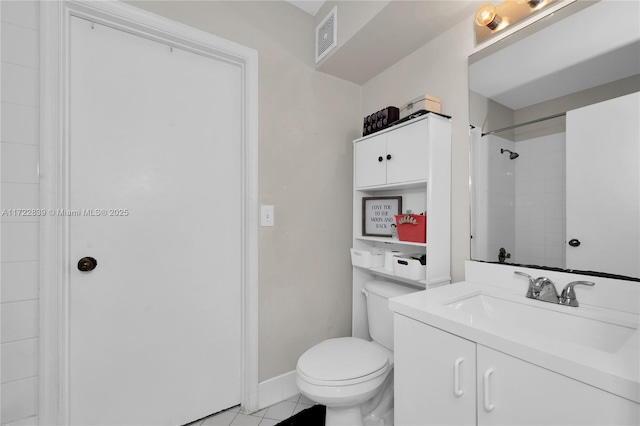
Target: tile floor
(270,416)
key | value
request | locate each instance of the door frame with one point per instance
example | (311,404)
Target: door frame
(55,19)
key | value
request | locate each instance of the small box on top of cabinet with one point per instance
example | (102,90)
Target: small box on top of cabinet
(380,120)
(423,102)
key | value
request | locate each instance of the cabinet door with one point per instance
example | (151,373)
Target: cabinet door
(512,392)
(434,376)
(408,148)
(370,161)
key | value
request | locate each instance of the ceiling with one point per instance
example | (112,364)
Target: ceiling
(395,32)
(398,30)
(563,59)
(310,6)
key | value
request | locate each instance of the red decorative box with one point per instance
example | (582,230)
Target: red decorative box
(412,227)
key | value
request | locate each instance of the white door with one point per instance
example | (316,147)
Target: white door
(603,186)
(155,154)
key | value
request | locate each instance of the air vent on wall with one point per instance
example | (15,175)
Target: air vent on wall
(327,34)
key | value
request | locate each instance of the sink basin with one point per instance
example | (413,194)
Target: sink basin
(487,311)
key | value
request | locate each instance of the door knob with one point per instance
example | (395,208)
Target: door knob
(87,264)
(574,242)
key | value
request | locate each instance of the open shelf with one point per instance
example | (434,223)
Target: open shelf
(390,241)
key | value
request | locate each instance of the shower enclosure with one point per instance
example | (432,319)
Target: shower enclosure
(519,191)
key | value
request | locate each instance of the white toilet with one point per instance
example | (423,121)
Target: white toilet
(353,377)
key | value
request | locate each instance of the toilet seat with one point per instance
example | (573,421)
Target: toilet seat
(342,362)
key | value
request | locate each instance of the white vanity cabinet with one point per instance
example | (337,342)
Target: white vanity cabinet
(435,375)
(442,379)
(411,160)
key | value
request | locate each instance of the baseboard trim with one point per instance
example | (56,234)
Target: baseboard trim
(277,389)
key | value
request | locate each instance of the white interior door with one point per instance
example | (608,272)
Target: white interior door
(603,186)
(155,153)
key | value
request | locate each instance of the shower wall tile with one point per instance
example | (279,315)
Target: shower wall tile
(20,242)
(19,281)
(20,124)
(19,399)
(19,322)
(20,140)
(20,84)
(21,12)
(19,163)
(19,196)
(22,357)
(540,200)
(20,45)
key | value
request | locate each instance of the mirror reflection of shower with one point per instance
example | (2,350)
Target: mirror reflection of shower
(512,155)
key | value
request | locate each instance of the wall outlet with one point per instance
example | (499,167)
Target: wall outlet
(266,215)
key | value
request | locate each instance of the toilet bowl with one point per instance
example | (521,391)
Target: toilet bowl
(353,377)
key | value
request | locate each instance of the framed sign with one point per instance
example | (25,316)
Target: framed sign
(378,214)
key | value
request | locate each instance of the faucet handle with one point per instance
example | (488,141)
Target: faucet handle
(531,280)
(568,296)
(532,283)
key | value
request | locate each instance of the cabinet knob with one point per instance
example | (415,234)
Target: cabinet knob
(574,242)
(380,159)
(388,156)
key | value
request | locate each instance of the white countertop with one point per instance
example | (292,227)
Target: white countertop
(618,372)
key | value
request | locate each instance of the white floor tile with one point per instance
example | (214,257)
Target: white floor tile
(304,400)
(294,398)
(246,420)
(269,422)
(221,419)
(280,411)
(301,407)
(260,413)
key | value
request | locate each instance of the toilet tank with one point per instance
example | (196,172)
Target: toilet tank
(379,316)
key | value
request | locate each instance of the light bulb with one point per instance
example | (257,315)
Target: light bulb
(486,16)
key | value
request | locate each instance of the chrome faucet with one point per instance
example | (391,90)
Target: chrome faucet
(568,296)
(544,289)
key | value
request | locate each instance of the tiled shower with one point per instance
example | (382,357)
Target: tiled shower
(20,189)
(529,188)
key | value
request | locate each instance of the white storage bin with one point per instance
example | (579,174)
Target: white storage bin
(366,258)
(412,269)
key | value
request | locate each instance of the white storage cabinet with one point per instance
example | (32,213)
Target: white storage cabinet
(411,160)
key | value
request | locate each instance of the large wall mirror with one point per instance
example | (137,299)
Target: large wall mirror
(555,157)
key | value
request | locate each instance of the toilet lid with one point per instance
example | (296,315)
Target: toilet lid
(345,358)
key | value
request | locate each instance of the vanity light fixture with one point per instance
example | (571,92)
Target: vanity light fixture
(491,19)
(534,4)
(487,16)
